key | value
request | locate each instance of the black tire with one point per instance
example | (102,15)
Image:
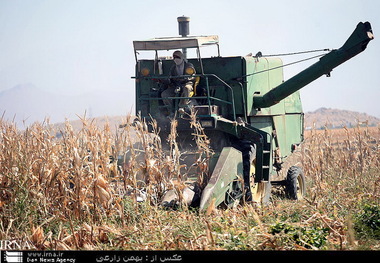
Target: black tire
(295,183)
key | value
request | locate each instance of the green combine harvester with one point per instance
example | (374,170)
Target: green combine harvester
(252,117)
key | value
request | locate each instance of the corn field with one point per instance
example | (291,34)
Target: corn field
(63,189)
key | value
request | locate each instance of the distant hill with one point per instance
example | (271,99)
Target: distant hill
(334,118)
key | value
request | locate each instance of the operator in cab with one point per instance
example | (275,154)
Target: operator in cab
(184,85)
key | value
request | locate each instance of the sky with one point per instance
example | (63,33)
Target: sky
(72,47)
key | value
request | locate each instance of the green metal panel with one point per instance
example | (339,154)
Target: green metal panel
(227,68)
(289,131)
(263,123)
(294,131)
(293,103)
(264,74)
(143,87)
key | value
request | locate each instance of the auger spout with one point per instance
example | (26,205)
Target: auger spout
(354,45)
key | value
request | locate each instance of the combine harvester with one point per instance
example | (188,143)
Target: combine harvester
(252,117)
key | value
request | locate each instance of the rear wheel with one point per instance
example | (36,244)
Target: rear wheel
(295,183)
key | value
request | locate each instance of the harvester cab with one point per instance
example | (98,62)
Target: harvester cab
(252,117)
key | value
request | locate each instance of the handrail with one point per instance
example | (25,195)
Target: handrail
(232,93)
(208,96)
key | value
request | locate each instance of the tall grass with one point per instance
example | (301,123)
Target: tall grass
(63,189)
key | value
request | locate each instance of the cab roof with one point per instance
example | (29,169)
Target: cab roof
(167,43)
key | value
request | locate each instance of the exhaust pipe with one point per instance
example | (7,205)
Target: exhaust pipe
(184,29)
